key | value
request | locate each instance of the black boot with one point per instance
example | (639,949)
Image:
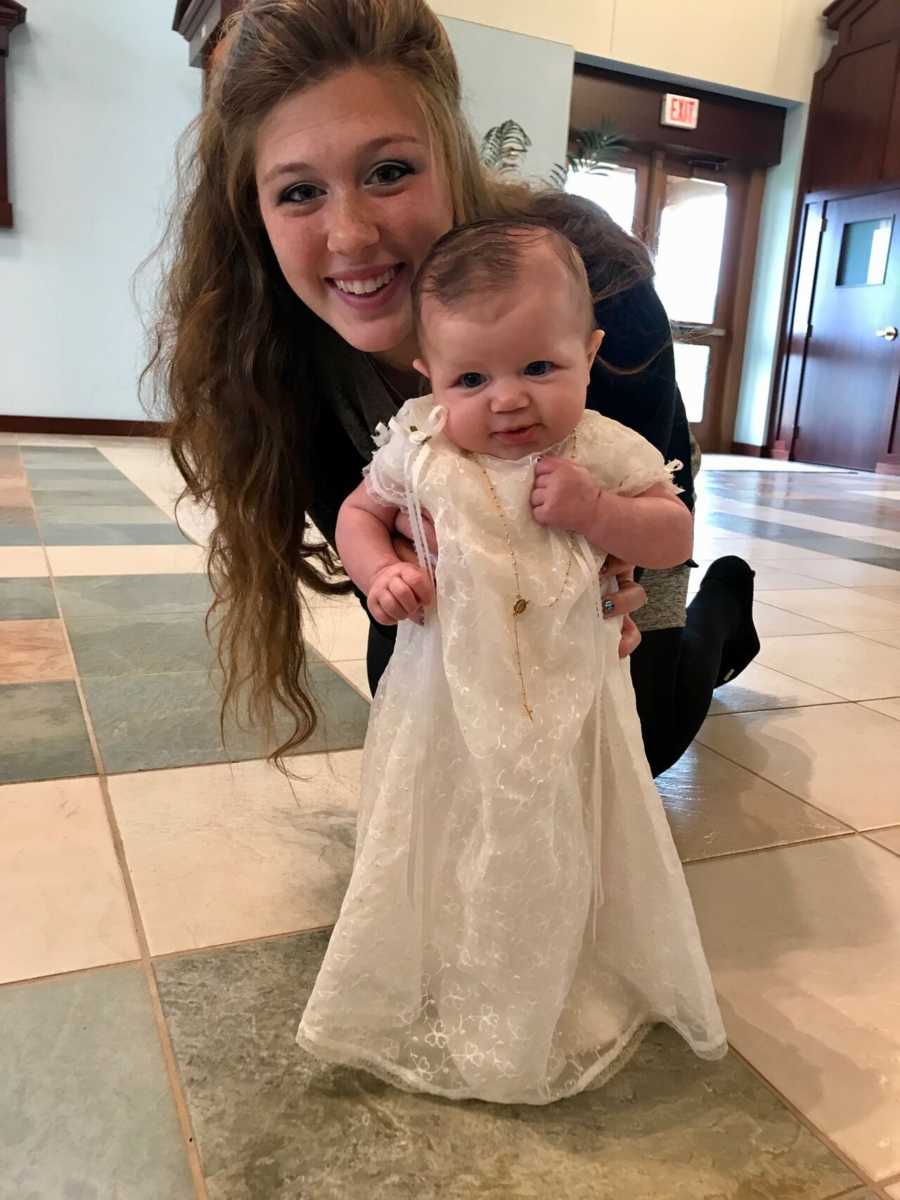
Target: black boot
(729,583)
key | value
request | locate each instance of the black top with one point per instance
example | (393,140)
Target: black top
(647,401)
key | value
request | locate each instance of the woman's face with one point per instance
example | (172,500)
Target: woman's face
(352,202)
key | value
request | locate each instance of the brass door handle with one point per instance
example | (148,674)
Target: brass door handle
(889,334)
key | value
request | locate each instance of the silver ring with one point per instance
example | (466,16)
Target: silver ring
(609,606)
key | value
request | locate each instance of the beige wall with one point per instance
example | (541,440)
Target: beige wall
(772,47)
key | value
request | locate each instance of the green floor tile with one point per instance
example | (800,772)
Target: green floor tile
(274,1124)
(27,600)
(86,1112)
(128,595)
(42,733)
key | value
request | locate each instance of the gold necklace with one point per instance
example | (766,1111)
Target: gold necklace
(520,604)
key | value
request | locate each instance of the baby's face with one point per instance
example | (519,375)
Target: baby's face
(512,370)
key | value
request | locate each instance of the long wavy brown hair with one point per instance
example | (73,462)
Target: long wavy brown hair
(235,365)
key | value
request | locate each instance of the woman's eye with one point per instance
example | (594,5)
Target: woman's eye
(390,172)
(301,193)
(471,379)
(542,367)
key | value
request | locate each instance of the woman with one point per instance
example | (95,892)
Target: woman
(330,156)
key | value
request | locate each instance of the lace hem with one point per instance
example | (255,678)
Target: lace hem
(599,1074)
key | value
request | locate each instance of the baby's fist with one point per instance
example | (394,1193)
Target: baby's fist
(564,495)
(398,591)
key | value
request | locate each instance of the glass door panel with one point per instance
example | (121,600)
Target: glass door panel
(689,248)
(692,371)
(616,191)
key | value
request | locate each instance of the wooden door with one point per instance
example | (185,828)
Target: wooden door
(848,397)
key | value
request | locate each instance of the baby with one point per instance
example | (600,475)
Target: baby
(517,916)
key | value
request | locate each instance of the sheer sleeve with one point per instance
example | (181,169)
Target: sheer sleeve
(622,461)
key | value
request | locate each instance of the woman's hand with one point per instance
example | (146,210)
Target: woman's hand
(628,599)
(399,591)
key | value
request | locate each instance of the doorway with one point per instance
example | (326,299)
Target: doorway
(847,409)
(696,220)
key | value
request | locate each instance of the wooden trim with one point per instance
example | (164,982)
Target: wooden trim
(743,132)
(747,449)
(797,317)
(11,14)
(82,426)
(741,292)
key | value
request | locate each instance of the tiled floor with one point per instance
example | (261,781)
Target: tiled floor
(165,894)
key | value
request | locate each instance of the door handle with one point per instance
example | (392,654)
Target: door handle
(889,334)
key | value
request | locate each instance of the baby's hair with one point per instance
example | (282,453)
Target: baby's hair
(487,258)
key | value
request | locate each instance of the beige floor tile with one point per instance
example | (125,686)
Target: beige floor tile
(14,492)
(839,607)
(22,562)
(890,708)
(776,622)
(846,664)
(843,758)
(883,592)
(848,573)
(63,905)
(716,807)
(126,560)
(889,838)
(313,599)
(792,558)
(770,578)
(220,854)
(338,632)
(885,637)
(34,652)
(711,542)
(759,687)
(354,671)
(809,985)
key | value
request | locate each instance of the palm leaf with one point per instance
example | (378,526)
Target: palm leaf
(594,149)
(504,146)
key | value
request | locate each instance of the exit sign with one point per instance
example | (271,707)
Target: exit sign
(681,112)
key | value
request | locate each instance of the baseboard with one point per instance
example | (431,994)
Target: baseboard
(83,426)
(748,449)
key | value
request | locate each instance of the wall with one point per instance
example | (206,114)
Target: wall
(97,96)
(498,70)
(769,47)
(770,273)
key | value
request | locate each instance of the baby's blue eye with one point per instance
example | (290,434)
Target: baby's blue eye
(542,367)
(471,379)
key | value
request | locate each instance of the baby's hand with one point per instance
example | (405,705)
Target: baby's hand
(564,495)
(398,591)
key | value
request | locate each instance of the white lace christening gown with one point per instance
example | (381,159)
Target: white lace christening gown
(517,916)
